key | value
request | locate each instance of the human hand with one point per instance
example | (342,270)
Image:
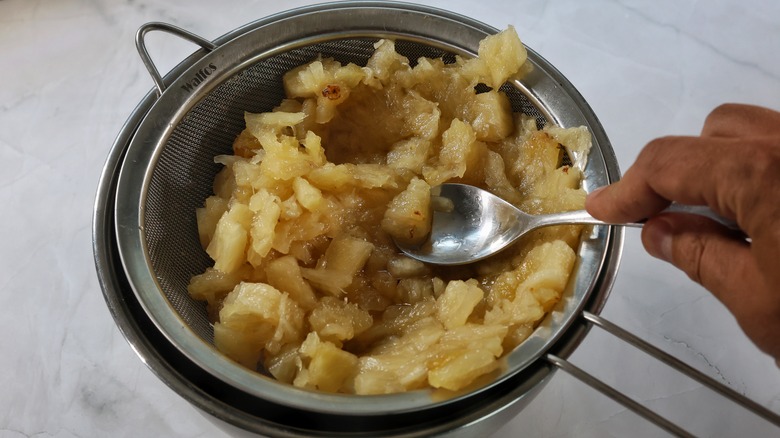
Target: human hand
(734,168)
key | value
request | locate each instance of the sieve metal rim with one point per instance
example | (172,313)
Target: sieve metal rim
(131,237)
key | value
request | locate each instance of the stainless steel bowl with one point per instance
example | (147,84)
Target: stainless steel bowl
(160,169)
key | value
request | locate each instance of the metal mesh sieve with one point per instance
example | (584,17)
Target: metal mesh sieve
(183,175)
(168,169)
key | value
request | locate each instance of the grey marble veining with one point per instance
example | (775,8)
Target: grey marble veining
(71,76)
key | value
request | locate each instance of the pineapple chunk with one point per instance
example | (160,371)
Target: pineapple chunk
(328,280)
(406,267)
(414,290)
(577,142)
(461,368)
(538,285)
(228,246)
(383,64)
(331,177)
(408,217)
(307,195)
(329,367)
(377,382)
(559,191)
(425,123)
(342,260)
(247,174)
(208,216)
(500,56)
(242,346)
(225,183)
(284,365)
(336,320)
(490,114)
(555,261)
(256,316)
(474,336)
(371,176)
(409,369)
(261,233)
(460,153)
(285,274)
(457,302)
(260,124)
(325,80)
(497,181)
(347,254)
(289,329)
(284,159)
(246,145)
(212,285)
(409,154)
(251,303)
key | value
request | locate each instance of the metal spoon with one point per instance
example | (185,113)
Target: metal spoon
(470,224)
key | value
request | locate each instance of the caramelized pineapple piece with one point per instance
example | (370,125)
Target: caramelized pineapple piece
(490,114)
(337,320)
(500,56)
(307,195)
(284,274)
(208,216)
(383,64)
(261,233)
(212,285)
(408,217)
(228,246)
(325,80)
(377,382)
(410,154)
(460,153)
(347,254)
(255,316)
(457,302)
(460,368)
(329,367)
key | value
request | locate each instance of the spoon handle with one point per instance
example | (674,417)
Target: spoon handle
(583,217)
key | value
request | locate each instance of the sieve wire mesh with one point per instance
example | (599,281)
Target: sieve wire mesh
(182,177)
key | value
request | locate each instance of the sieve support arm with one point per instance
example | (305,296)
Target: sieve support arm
(617,396)
(665,358)
(140,44)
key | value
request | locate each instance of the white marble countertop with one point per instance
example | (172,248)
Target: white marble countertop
(71,76)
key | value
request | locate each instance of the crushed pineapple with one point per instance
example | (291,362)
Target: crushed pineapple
(307,283)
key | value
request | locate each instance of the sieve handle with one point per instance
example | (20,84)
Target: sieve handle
(669,360)
(140,44)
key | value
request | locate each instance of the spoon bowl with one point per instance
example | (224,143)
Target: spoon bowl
(470,224)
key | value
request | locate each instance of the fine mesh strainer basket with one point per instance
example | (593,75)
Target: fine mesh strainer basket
(161,169)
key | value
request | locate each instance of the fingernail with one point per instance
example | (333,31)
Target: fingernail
(657,237)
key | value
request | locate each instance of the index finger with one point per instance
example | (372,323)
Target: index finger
(718,172)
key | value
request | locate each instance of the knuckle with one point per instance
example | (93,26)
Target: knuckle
(725,109)
(721,121)
(654,148)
